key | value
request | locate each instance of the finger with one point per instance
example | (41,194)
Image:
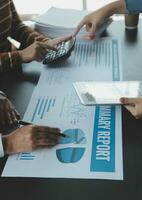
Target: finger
(62,39)
(9,108)
(45,135)
(131,109)
(67,38)
(128,101)
(46,146)
(41,38)
(89,37)
(7,115)
(56,41)
(89,27)
(93,28)
(53,43)
(47,129)
(45,40)
(39,139)
(8,118)
(50,47)
(80,25)
(47,46)
(17,114)
(46,132)
(46,142)
(13,117)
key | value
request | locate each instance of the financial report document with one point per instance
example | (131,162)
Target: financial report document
(90,60)
(94,142)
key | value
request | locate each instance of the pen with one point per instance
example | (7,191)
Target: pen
(24,123)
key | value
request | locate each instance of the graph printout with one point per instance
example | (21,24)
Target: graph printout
(93,148)
(90,61)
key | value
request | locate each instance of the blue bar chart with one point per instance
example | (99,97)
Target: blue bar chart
(43,106)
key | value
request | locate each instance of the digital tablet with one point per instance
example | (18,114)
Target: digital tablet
(109,92)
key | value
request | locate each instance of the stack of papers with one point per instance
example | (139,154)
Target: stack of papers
(58,22)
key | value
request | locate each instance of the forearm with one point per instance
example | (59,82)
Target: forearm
(117,7)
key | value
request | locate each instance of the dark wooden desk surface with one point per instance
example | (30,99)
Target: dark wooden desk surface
(19,89)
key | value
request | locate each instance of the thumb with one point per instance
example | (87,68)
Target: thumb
(80,25)
(89,37)
(93,28)
(47,46)
(128,101)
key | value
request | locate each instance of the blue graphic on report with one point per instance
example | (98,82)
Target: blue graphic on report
(26,156)
(103,146)
(71,154)
(43,106)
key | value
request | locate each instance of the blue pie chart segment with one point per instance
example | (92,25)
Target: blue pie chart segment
(70,155)
(76,136)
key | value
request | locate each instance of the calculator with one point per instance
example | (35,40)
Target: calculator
(64,50)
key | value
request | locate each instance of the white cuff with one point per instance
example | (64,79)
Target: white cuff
(1,147)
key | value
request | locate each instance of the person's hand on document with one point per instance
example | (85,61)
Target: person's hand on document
(133,105)
(30,137)
(94,20)
(54,42)
(38,50)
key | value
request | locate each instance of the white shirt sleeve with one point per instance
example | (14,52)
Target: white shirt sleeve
(1,147)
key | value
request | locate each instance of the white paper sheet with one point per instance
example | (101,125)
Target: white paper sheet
(94,146)
(94,149)
(99,60)
(65,18)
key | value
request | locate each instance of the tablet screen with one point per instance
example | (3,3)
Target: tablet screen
(93,92)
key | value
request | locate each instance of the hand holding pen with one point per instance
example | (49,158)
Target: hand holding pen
(30,137)
(24,123)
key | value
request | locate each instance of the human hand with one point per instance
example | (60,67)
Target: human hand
(94,20)
(8,113)
(38,50)
(54,42)
(29,138)
(41,38)
(92,23)
(133,105)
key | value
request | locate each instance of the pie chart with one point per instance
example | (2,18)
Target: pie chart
(72,154)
